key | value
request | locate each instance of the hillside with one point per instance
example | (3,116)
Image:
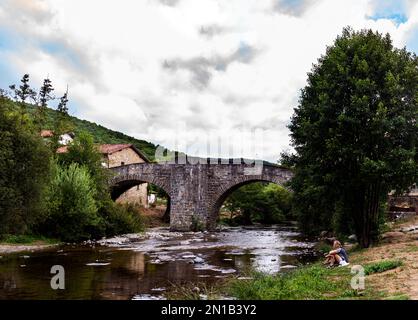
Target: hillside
(102,134)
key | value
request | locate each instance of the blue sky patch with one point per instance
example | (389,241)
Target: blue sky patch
(7,73)
(394,10)
(56,48)
(292,7)
(398,18)
(8,40)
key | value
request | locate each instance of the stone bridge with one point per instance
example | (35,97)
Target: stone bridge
(196,191)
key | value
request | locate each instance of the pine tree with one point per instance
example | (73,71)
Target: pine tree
(62,106)
(23,93)
(62,120)
(44,97)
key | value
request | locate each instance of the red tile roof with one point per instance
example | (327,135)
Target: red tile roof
(109,149)
(63,149)
(46,133)
(112,148)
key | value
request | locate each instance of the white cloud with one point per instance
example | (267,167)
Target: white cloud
(212,68)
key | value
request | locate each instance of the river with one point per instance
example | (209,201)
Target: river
(144,266)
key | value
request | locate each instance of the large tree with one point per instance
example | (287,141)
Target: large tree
(24,168)
(355,131)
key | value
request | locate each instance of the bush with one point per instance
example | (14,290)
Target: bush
(121,218)
(197,224)
(71,209)
(381,266)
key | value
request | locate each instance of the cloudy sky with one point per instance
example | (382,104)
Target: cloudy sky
(204,76)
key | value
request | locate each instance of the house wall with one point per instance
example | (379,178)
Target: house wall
(127,156)
(137,194)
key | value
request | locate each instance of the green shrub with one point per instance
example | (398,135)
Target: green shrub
(197,224)
(381,266)
(71,209)
(121,218)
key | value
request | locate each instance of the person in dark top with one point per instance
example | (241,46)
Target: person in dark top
(337,256)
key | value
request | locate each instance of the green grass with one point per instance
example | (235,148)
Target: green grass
(313,282)
(381,266)
(26,239)
(411,248)
(305,283)
(398,297)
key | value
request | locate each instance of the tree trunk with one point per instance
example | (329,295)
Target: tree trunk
(365,207)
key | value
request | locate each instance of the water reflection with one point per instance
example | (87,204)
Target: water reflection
(144,266)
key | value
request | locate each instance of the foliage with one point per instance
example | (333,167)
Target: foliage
(43,99)
(23,93)
(381,266)
(72,202)
(121,218)
(355,133)
(62,123)
(72,214)
(24,171)
(83,151)
(259,202)
(115,218)
(197,224)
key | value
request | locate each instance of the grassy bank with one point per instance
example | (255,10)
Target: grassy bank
(27,240)
(314,282)
(311,282)
(25,243)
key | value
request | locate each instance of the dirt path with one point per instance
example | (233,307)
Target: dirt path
(401,243)
(153,217)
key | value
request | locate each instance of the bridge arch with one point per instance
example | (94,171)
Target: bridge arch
(225,190)
(122,183)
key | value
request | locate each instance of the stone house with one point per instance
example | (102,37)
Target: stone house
(115,155)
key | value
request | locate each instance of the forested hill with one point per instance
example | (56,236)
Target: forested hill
(102,134)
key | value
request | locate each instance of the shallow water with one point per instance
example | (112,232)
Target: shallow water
(144,266)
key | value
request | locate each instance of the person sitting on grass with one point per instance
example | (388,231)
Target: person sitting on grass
(337,256)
